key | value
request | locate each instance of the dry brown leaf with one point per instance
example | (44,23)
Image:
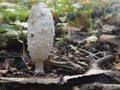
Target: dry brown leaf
(3,52)
(107,37)
(116,65)
(54,15)
(85,2)
(6,64)
(72,28)
(117,58)
(2,72)
(111,19)
(77,21)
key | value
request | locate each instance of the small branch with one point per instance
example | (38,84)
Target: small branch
(23,40)
(82,63)
(24,61)
(89,53)
(77,51)
(69,66)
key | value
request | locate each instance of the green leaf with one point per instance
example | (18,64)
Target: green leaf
(87,11)
(2,31)
(9,29)
(59,39)
(67,36)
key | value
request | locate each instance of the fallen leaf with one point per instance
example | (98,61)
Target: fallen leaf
(116,65)
(6,64)
(111,19)
(109,28)
(3,52)
(92,38)
(84,28)
(33,1)
(3,72)
(107,37)
(54,15)
(77,21)
(117,57)
(85,2)
(74,28)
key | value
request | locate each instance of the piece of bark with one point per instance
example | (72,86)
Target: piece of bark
(112,39)
(69,66)
(41,80)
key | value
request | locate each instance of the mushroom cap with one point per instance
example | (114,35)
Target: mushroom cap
(40,31)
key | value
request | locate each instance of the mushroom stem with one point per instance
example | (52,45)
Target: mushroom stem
(39,66)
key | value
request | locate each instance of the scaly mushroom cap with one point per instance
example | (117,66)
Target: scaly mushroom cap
(40,33)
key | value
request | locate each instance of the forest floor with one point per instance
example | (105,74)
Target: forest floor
(78,52)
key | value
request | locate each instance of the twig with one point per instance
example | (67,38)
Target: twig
(89,53)
(35,74)
(24,61)
(23,51)
(23,40)
(66,65)
(77,51)
(74,48)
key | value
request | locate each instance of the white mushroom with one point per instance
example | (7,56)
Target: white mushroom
(40,34)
